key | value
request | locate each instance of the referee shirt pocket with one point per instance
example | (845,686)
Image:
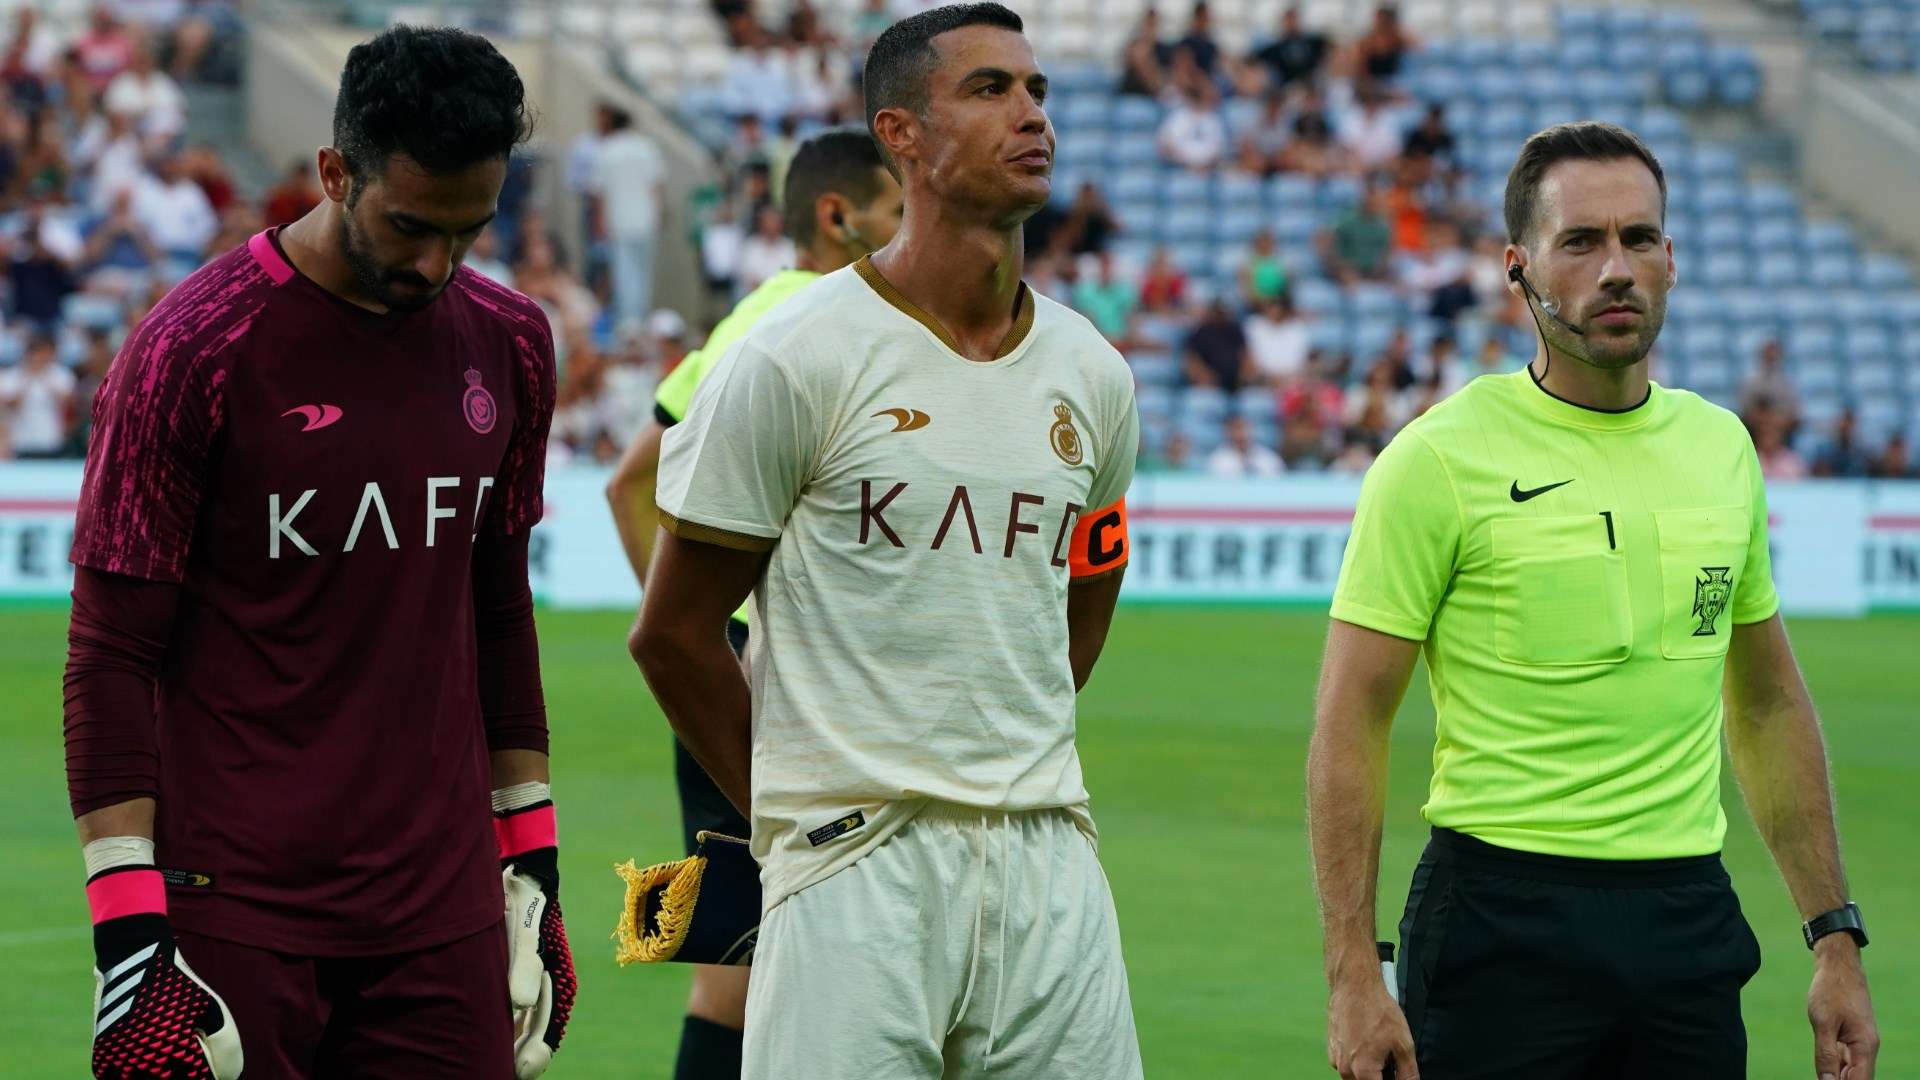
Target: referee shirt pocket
(1702,556)
(1559,591)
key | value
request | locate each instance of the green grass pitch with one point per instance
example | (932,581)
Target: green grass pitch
(1194,734)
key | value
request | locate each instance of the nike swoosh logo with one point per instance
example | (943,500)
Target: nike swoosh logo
(316,416)
(905,419)
(1522,496)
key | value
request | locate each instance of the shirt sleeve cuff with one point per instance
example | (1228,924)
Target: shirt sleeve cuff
(1385,622)
(715,535)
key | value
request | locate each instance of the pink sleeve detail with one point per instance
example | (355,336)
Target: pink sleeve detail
(127,892)
(526,831)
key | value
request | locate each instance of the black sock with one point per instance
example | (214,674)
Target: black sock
(708,1051)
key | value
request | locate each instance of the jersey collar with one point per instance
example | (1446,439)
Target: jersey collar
(1022,319)
(1539,400)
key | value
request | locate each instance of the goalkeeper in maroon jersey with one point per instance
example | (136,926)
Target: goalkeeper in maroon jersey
(302,651)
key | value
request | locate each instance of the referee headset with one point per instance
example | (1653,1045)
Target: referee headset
(1536,305)
(849,233)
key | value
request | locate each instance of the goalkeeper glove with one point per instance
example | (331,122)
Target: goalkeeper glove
(154,1019)
(540,976)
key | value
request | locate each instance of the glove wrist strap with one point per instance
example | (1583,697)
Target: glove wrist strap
(526,830)
(122,880)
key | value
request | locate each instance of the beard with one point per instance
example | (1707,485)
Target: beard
(1611,352)
(374,278)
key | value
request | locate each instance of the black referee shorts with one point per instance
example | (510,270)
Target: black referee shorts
(702,806)
(1516,966)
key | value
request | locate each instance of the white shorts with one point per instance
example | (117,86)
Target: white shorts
(971,943)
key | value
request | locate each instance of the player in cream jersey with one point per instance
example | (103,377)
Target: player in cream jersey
(921,511)
(918,467)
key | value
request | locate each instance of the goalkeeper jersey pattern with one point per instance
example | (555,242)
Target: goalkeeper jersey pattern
(314,476)
(910,632)
(1576,576)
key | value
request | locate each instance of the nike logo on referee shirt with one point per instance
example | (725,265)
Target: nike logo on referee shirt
(1523,496)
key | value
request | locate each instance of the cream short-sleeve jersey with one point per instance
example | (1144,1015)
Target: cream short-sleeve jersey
(924,514)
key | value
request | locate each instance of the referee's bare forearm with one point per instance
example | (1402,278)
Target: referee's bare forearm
(1780,758)
(1362,679)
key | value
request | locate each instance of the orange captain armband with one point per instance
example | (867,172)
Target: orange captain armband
(1100,545)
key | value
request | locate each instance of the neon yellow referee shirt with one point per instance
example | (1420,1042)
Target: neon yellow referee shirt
(675,393)
(1575,576)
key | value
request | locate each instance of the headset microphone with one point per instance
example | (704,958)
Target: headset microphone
(851,232)
(1552,310)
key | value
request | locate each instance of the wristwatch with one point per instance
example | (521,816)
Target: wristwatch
(1841,920)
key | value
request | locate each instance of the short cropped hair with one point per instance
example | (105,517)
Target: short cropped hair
(843,161)
(903,57)
(442,96)
(1585,140)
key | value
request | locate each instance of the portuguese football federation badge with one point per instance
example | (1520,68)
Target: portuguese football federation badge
(1065,440)
(1710,594)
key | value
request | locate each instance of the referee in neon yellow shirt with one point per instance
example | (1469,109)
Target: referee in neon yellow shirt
(1582,557)
(840,203)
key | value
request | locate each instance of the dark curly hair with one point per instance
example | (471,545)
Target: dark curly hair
(442,96)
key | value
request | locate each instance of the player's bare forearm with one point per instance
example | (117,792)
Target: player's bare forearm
(680,644)
(630,495)
(131,818)
(1362,678)
(1089,617)
(1780,758)
(512,767)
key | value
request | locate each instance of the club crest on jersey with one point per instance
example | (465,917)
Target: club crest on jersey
(477,404)
(1710,594)
(1064,439)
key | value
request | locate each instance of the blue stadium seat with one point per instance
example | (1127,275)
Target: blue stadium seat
(1713,161)
(1290,191)
(1878,271)
(1553,108)
(1813,343)
(1135,114)
(1505,122)
(1720,269)
(1864,344)
(1204,403)
(1186,189)
(1257,403)
(1085,115)
(1372,302)
(1237,192)
(1581,22)
(1658,124)
(1329,335)
(1830,271)
(1542,81)
(1235,228)
(1160,330)
(1817,376)
(1710,376)
(1296,228)
(1718,197)
(1138,184)
(1138,217)
(1723,232)
(1132,150)
(1527,53)
(1880,377)
(1196,258)
(1337,193)
(1156,371)
(1879,417)
(1774,234)
(1771,200)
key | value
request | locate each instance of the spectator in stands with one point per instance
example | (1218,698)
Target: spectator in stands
(1313,150)
(820,85)
(1241,455)
(1090,225)
(195,33)
(1145,58)
(175,212)
(1438,273)
(1494,359)
(1385,45)
(32,57)
(756,80)
(1263,145)
(1305,437)
(805,28)
(1263,276)
(629,186)
(1356,247)
(1194,134)
(1778,459)
(1278,341)
(1842,454)
(120,253)
(1406,208)
(1770,389)
(870,22)
(105,50)
(1894,462)
(1380,408)
(37,398)
(1294,57)
(1216,350)
(764,253)
(203,165)
(1356,454)
(40,278)
(1316,393)
(1108,301)
(1431,143)
(113,155)
(483,258)
(149,96)
(540,274)
(295,194)
(1163,285)
(1370,131)
(1445,371)
(1199,42)
(720,241)
(88,374)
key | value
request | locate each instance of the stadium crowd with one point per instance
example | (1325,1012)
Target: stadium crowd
(104,207)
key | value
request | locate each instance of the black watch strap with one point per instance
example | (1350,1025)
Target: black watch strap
(1841,920)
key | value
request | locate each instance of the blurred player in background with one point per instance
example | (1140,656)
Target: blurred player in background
(917,468)
(1584,555)
(841,203)
(302,625)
